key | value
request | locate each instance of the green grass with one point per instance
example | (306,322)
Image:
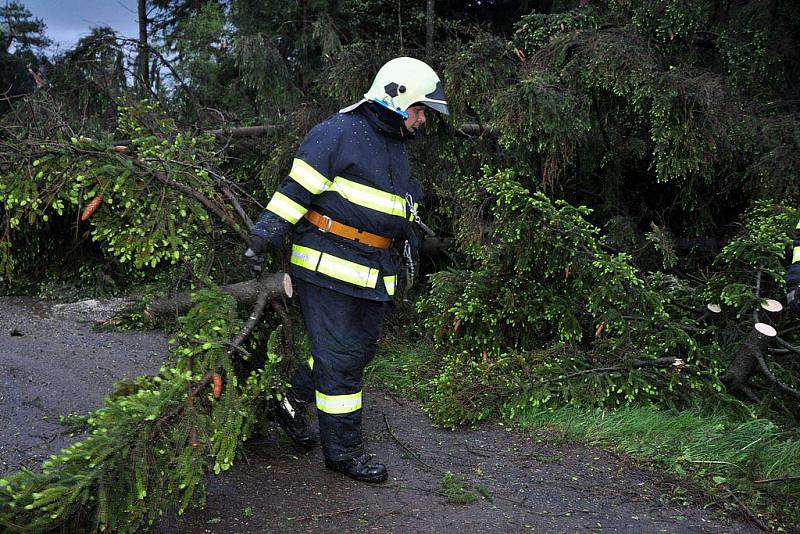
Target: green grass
(402,367)
(454,490)
(722,449)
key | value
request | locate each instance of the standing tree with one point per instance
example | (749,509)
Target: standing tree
(143,67)
(22,39)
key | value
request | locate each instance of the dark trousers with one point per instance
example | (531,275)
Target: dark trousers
(343,332)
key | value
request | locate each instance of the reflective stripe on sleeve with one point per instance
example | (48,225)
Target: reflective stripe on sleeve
(796,255)
(285,207)
(338,268)
(798,226)
(370,197)
(307,176)
(338,404)
(413,212)
(389,283)
(310,362)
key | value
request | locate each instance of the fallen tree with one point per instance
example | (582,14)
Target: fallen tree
(275,285)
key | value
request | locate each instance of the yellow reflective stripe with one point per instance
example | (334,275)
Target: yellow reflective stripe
(310,362)
(798,226)
(389,283)
(796,255)
(285,207)
(348,271)
(305,257)
(338,268)
(307,176)
(370,197)
(338,404)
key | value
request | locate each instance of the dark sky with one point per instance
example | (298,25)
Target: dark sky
(69,20)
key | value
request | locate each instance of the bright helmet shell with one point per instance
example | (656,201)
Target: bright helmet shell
(405,81)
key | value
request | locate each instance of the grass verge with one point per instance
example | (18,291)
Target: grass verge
(748,463)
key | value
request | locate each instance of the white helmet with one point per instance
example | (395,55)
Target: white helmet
(403,82)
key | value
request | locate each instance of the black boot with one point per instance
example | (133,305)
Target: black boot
(359,468)
(291,416)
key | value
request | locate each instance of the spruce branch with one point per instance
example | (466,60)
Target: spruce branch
(193,193)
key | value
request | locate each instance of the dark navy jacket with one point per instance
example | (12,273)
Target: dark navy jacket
(353,168)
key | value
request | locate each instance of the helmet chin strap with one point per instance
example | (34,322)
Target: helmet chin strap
(384,104)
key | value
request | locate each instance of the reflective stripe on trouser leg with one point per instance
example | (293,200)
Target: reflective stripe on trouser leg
(338,404)
(343,333)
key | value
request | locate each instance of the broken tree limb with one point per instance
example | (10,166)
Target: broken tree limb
(271,285)
(660,363)
(236,205)
(788,347)
(262,296)
(243,132)
(265,290)
(774,379)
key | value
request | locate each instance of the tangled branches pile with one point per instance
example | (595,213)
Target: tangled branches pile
(148,448)
(162,196)
(546,314)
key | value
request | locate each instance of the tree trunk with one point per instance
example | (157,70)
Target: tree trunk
(745,363)
(429,15)
(242,132)
(276,285)
(143,66)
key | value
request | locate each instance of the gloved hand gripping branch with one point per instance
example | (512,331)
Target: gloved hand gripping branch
(265,235)
(254,255)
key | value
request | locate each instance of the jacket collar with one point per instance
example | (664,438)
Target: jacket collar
(385,121)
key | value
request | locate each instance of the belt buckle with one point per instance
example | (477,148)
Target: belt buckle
(328,223)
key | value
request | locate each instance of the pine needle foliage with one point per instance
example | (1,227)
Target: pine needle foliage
(149,447)
(265,73)
(150,215)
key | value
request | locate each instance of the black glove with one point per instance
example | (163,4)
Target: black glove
(254,255)
(793,299)
(257,244)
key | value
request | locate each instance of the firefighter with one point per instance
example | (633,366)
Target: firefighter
(348,197)
(793,274)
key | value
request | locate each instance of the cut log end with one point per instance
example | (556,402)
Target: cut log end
(765,330)
(287,285)
(772,305)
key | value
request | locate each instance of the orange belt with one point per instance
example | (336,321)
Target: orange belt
(326,224)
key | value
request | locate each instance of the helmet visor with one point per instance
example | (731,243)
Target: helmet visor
(436,99)
(436,106)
